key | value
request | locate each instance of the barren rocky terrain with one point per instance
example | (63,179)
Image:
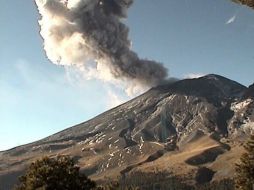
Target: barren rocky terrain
(189,127)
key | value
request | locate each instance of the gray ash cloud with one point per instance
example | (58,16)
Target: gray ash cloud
(78,32)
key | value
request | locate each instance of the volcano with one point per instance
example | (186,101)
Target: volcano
(177,127)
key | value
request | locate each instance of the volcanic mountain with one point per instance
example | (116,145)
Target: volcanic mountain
(178,127)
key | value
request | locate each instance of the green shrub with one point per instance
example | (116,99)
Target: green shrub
(58,173)
(244,179)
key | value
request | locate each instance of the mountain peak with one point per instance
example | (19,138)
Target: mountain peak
(221,80)
(212,87)
(214,77)
(189,114)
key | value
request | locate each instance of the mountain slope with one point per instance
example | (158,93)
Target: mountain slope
(177,127)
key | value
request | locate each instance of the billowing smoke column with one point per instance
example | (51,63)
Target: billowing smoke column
(91,35)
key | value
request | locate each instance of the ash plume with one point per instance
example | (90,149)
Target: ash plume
(91,35)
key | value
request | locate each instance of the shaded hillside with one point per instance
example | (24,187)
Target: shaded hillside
(249,93)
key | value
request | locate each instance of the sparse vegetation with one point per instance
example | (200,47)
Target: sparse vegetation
(162,181)
(116,186)
(61,173)
(225,184)
(156,180)
(53,174)
(153,180)
(244,179)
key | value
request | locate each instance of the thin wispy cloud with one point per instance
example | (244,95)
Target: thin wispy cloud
(231,20)
(33,101)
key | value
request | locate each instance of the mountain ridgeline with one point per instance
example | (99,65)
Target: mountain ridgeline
(176,127)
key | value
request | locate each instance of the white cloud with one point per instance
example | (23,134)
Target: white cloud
(194,75)
(231,20)
(114,99)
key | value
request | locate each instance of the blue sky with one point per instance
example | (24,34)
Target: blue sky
(38,98)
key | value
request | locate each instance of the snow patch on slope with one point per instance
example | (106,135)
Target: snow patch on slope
(236,106)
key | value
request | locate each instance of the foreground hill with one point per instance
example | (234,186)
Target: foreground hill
(181,127)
